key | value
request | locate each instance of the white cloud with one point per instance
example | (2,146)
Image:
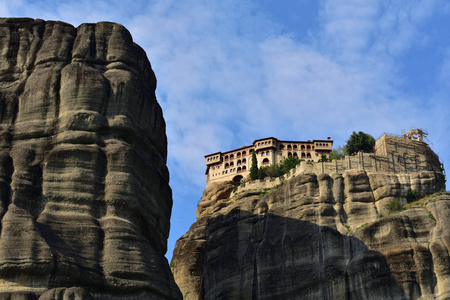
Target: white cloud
(227,75)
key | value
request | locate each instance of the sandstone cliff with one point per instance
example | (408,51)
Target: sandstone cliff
(85,201)
(318,237)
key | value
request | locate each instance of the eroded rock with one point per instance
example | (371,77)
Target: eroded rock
(319,236)
(85,200)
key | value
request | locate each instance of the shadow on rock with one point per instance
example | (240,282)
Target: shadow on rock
(250,256)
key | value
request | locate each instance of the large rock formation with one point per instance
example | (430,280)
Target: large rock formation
(318,237)
(85,201)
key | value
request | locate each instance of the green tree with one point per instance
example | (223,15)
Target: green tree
(323,158)
(289,163)
(360,142)
(254,172)
(336,154)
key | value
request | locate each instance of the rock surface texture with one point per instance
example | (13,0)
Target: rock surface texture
(319,237)
(85,201)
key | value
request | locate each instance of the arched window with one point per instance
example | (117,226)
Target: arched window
(239,162)
(267,153)
(238,154)
(227,165)
(308,155)
(303,155)
(295,147)
(232,156)
(244,168)
(289,154)
(308,147)
(281,146)
(289,147)
(244,153)
(231,164)
(226,157)
(295,154)
(244,161)
(239,170)
(302,147)
(262,153)
(265,161)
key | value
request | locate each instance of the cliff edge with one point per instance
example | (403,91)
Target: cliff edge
(319,236)
(85,200)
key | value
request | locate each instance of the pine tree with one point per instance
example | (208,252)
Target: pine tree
(254,173)
(360,142)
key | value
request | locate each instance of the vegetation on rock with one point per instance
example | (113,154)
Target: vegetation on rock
(394,205)
(282,168)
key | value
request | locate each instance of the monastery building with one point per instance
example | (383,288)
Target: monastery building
(235,164)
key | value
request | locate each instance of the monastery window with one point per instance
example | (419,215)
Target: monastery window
(281,146)
(289,147)
(295,147)
(244,161)
(239,170)
(231,164)
(303,155)
(226,157)
(238,154)
(244,153)
(303,147)
(308,147)
(262,153)
(231,156)
(265,161)
(239,162)
(308,155)
(295,154)
(267,153)
(227,165)
(265,143)
(244,168)
(259,144)
(289,154)
(269,142)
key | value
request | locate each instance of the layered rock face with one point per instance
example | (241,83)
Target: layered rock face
(85,201)
(319,237)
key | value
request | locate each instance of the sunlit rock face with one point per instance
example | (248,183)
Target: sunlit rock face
(318,236)
(85,201)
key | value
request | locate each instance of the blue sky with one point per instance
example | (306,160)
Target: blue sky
(230,72)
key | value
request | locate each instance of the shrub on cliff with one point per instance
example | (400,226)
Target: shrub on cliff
(360,142)
(282,168)
(394,205)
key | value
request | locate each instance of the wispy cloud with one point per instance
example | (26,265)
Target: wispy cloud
(228,73)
